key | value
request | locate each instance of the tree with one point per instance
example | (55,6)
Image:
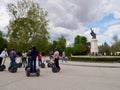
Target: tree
(68,50)
(80,39)
(105,48)
(80,45)
(28,26)
(3,42)
(115,38)
(115,47)
(61,44)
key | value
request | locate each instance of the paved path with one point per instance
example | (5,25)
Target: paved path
(73,76)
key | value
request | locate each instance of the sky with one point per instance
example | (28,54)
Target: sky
(70,18)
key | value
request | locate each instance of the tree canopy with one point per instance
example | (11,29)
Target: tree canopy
(28,26)
(3,42)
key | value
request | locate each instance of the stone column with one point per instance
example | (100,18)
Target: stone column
(94,47)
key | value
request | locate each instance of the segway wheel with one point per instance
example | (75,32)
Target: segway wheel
(38,72)
(54,69)
(26,68)
(47,61)
(13,69)
(19,65)
(28,72)
(42,65)
(49,65)
(2,67)
(58,69)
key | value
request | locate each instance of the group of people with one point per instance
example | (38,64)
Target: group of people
(12,55)
(31,55)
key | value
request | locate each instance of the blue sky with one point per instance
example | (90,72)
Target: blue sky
(75,17)
(102,23)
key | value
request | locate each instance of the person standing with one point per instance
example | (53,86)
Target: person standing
(3,54)
(56,58)
(39,59)
(34,55)
(13,56)
(63,57)
(24,58)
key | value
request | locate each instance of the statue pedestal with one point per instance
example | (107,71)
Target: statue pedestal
(94,47)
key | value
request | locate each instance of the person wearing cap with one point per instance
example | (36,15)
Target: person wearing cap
(3,54)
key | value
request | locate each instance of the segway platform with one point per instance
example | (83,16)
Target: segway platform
(12,69)
(28,73)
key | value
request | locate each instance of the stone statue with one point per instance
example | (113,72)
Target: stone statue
(93,34)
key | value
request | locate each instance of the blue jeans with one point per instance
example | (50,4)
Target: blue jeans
(29,60)
(63,59)
(33,65)
(13,63)
(39,62)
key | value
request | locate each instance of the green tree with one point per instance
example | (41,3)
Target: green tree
(105,48)
(78,49)
(80,45)
(69,50)
(28,26)
(115,47)
(80,39)
(61,44)
(3,42)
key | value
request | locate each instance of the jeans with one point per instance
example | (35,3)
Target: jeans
(33,65)
(63,59)
(13,63)
(29,60)
(39,62)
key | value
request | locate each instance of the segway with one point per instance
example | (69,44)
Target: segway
(19,65)
(2,67)
(55,69)
(49,63)
(42,64)
(28,72)
(12,69)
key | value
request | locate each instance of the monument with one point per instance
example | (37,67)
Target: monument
(94,46)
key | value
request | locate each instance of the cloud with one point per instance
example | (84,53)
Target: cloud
(4,19)
(72,17)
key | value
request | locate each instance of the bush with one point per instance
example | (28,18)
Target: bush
(94,59)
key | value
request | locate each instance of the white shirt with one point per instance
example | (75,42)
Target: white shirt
(24,54)
(4,54)
(56,54)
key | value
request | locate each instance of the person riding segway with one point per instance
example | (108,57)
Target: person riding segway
(4,54)
(13,67)
(56,67)
(32,68)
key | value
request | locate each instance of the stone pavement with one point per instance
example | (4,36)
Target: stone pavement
(73,76)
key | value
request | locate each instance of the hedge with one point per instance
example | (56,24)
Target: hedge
(95,59)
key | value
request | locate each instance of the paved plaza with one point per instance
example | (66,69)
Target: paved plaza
(73,76)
